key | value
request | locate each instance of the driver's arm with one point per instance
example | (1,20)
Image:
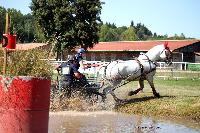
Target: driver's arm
(77,75)
(58,68)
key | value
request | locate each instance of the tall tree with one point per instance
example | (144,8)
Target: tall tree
(29,28)
(68,23)
(111,35)
(132,23)
(103,31)
(143,33)
(129,34)
(2,21)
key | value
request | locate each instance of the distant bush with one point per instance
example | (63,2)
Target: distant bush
(26,63)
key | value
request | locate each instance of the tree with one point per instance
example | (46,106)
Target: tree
(143,33)
(103,31)
(129,34)
(2,21)
(111,35)
(29,28)
(182,36)
(68,23)
(132,23)
(15,20)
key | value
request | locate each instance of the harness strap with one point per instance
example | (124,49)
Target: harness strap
(141,66)
(150,63)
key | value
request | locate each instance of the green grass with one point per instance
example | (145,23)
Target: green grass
(179,99)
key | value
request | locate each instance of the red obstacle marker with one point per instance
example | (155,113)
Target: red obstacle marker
(24,104)
(9,41)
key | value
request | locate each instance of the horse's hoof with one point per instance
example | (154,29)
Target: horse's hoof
(131,93)
(119,101)
(103,96)
(157,95)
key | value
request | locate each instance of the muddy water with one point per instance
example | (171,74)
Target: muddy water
(111,122)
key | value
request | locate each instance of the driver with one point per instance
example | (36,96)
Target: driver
(79,58)
(79,64)
(68,73)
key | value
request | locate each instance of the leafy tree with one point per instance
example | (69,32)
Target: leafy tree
(132,23)
(155,35)
(175,37)
(129,34)
(112,26)
(143,33)
(182,36)
(15,20)
(29,28)
(68,23)
(111,35)
(103,31)
(2,21)
(19,24)
(120,30)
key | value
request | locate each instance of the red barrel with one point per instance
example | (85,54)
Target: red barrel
(9,41)
(24,104)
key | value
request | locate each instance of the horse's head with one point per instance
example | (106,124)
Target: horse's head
(166,54)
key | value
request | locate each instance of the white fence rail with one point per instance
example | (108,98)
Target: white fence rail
(176,70)
(175,65)
(161,65)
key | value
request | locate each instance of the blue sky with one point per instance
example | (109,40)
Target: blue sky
(160,16)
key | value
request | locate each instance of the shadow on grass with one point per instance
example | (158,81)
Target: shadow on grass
(136,100)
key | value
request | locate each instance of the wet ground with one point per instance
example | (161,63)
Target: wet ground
(111,122)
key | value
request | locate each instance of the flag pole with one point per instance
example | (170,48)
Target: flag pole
(5,50)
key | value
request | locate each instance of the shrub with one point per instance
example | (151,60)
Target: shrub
(27,63)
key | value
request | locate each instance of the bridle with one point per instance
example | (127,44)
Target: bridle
(168,59)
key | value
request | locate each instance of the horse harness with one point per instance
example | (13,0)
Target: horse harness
(126,81)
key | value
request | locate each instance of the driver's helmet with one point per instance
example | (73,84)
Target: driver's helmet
(81,50)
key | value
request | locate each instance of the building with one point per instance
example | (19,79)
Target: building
(183,50)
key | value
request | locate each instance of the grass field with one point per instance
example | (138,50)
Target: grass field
(179,99)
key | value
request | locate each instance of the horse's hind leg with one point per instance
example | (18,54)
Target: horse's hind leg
(150,81)
(140,88)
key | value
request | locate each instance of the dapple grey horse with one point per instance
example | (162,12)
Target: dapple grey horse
(142,68)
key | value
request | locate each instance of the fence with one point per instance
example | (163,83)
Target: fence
(175,65)
(160,65)
(177,70)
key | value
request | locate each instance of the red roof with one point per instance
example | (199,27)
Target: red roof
(139,45)
(122,45)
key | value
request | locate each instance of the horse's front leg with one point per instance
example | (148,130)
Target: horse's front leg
(115,97)
(140,88)
(150,81)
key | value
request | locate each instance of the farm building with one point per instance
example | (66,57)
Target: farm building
(183,50)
